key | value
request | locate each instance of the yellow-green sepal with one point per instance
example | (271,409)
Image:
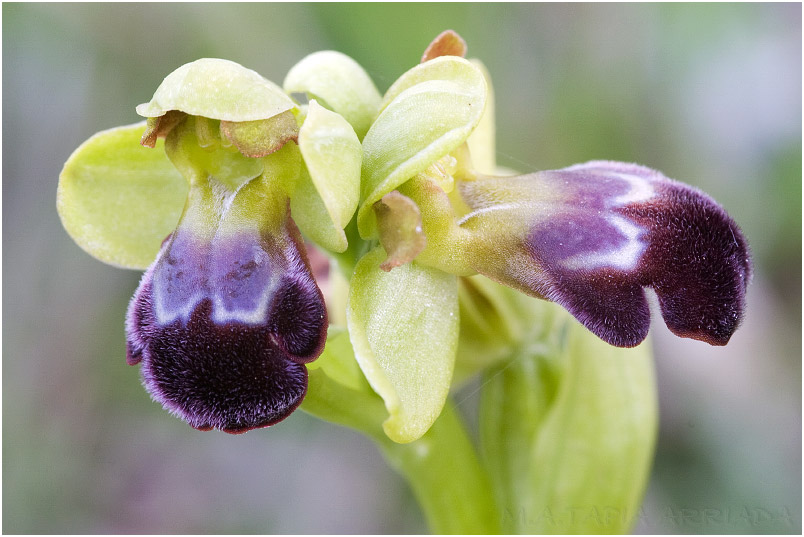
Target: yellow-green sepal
(340,83)
(217,89)
(427,113)
(328,191)
(119,200)
(403,326)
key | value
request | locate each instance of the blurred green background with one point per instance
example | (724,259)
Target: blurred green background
(709,93)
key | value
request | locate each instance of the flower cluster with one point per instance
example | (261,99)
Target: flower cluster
(401,191)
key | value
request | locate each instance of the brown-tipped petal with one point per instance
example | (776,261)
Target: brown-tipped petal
(262,137)
(447,43)
(399,221)
(159,127)
(590,237)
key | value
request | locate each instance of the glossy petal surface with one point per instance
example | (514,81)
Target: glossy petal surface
(592,236)
(404,329)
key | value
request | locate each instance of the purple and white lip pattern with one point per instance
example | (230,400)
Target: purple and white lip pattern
(591,236)
(223,326)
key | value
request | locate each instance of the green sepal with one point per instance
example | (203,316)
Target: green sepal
(568,428)
(427,113)
(327,195)
(340,83)
(217,89)
(119,200)
(404,329)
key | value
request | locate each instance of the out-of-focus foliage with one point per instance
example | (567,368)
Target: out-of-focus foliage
(710,94)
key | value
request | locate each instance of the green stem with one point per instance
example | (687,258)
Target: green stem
(442,467)
(445,474)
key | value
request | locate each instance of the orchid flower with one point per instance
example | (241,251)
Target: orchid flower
(214,192)
(590,237)
(228,311)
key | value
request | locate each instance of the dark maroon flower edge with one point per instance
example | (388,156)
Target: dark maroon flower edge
(223,328)
(621,228)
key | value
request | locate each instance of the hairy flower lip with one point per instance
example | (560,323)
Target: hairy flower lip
(591,236)
(223,328)
(190,383)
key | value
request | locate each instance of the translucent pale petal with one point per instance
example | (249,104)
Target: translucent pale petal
(217,89)
(404,329)
(427,113)
(119,200)
(339,82)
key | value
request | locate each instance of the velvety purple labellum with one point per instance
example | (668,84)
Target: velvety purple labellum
(223,328)
(620,228)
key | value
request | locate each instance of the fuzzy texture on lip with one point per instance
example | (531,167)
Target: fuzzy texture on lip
(590,237)
(223,328)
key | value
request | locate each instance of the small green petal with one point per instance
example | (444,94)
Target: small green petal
(327,197)
(188,154)
(427,113)
(159,127)
(311,215)
(340,83)
(401,233)
(217,89)
(119,200)
(404,330)
(263,136)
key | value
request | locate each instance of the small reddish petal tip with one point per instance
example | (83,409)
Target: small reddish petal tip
(447,43)
(204,428)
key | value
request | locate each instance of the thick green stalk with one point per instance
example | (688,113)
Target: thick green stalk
(442,467)
(445,474)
